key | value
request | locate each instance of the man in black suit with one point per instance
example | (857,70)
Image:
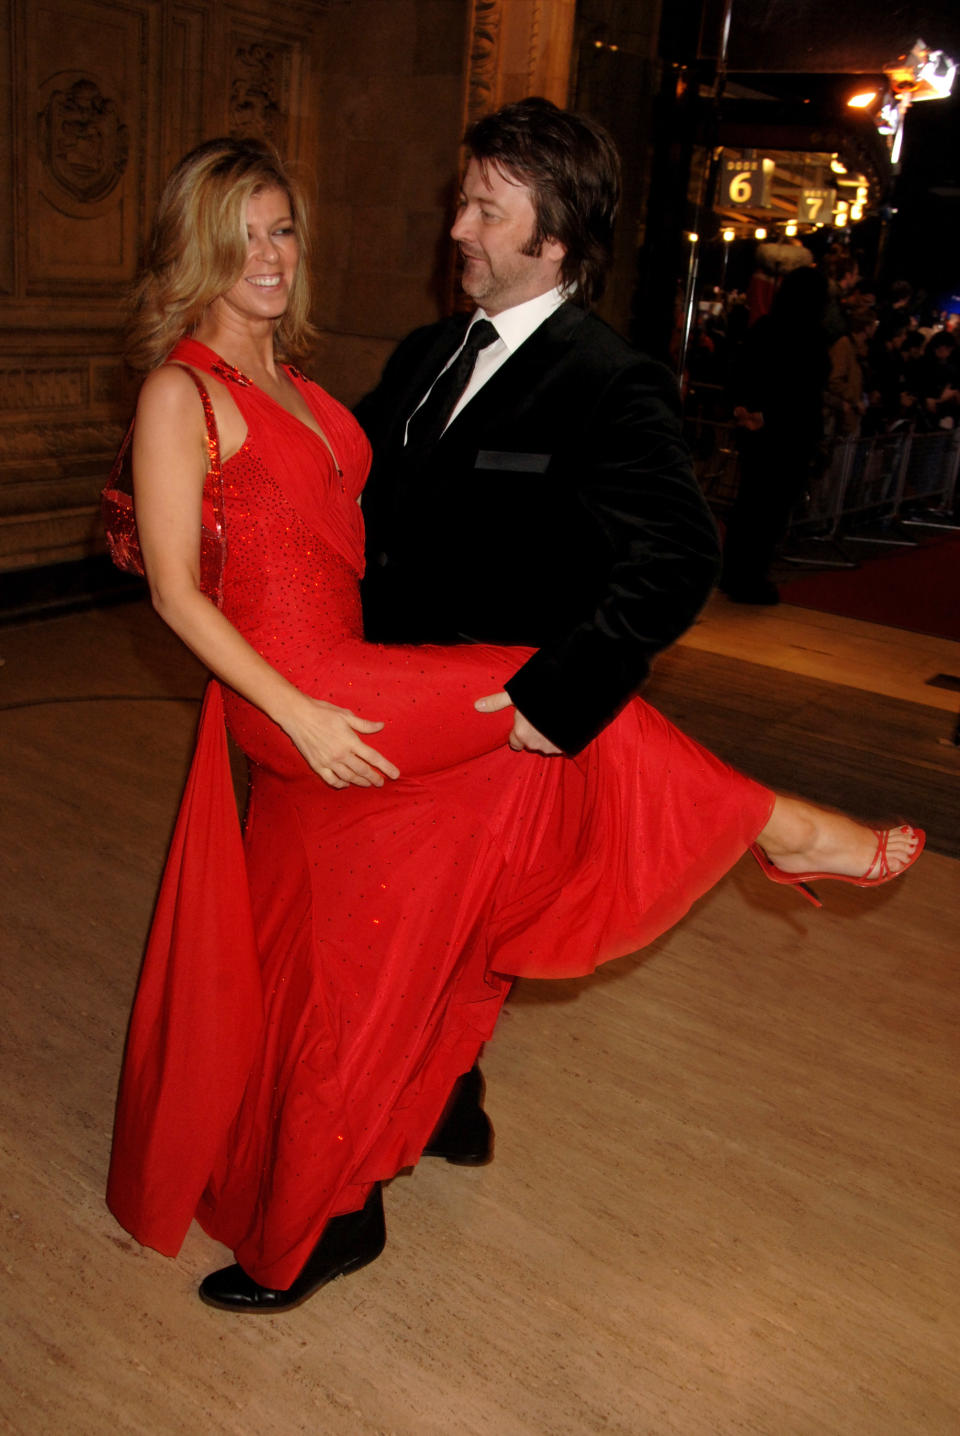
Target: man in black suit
(550,501)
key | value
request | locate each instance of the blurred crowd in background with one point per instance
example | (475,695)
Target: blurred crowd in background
(810,355)
(889,356)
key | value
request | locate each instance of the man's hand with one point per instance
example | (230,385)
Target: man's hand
(524,738)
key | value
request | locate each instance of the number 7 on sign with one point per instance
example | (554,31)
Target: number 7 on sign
(815,206)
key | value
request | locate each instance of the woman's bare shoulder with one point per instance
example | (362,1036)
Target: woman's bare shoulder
(168,392)
(169,401)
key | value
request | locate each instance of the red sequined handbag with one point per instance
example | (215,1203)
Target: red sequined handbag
(120,520)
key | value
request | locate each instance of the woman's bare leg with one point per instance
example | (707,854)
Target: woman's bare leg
(801,838)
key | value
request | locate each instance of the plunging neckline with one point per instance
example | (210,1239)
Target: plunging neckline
(228,372)
(302,465)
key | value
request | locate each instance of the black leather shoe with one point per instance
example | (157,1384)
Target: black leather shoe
(348,1243)
(464,1134)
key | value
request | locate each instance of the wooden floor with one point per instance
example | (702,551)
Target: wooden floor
(839,711)
(724,1201)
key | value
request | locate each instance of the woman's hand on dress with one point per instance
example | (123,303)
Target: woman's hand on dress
(329,739)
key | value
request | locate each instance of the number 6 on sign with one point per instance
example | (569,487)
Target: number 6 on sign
(741,188)
(747,182)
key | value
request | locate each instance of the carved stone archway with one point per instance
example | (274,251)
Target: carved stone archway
(517,48)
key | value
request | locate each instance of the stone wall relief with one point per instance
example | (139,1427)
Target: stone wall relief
(517,48)
(484,53)
(256,88)
(83,144)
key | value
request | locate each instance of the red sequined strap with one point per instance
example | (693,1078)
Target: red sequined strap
(229,372)
(213,484)
(119,516)
(213,545)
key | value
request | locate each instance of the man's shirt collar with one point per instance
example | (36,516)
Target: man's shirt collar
(516,325)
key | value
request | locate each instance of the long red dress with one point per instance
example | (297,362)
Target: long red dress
(309,996)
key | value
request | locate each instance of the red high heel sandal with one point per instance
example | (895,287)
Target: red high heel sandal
(878,872)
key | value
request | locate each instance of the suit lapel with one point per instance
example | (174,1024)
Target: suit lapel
(444,343)
(528,368)
(522,373)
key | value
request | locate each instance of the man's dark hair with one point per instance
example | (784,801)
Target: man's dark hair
(800,301)
(572,169)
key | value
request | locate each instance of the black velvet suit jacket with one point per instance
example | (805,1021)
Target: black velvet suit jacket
(558,511)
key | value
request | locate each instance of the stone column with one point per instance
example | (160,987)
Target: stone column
(517,48)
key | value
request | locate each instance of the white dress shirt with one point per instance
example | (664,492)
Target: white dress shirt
(513,326)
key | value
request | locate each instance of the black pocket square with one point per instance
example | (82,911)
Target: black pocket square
(519,463)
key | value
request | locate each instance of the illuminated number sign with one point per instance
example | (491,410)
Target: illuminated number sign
(748,182)
(815,206)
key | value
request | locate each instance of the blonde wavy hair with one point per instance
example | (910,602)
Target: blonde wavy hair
(198,248)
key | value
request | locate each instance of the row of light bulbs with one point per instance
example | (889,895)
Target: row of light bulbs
(843,215)
(845,212)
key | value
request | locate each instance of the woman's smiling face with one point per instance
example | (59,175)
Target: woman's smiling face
(273,253)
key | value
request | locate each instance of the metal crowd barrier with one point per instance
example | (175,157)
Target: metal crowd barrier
(870,489)
(713,444)
(861,490)
(930,474)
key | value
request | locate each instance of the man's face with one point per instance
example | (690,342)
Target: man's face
(494,225)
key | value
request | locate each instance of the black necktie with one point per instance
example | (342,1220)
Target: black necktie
(429,421)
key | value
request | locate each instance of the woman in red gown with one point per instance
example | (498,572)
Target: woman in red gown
(312,991)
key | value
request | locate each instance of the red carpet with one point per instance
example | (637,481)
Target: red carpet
(916,588)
